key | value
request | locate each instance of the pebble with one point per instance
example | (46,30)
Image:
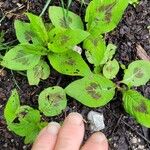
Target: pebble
(134,140)
(141,147)
(96,121)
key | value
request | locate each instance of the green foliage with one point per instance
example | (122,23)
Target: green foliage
(63,39)
(40,71)
(138,73)
(52,101)
(111,69)
(61,17)
(57,42)
(18,59)
(95,48)
(109,53)
(92,91)
(71,63)
(29,120)
(23,31)
(12,105)
(137,106)
(103,16)
(39,29)
(39,41)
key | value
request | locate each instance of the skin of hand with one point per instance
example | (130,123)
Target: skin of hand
(69,136)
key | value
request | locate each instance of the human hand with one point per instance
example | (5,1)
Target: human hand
(69,136)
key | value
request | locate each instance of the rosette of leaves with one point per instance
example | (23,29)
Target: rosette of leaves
(39,41)
(22,120)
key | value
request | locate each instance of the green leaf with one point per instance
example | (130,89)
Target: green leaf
(63,39)
(29,120)
(18,59)
(34,49)
(92,91)
(96,47)
(109,53)
(23,31)
(61,17)
(40,71)
(38,27)
(138,73)
(28,127)
(103,16)
(52,101)
(11,107)
(111,69)
(137,106)
(69,63)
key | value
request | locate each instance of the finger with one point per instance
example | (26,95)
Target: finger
(71,133)
(47,138)
(97,141)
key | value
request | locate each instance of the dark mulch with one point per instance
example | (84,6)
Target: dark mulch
(122,131)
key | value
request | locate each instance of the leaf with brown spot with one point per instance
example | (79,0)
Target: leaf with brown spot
(103,16)
(69,63)
(93,90)
(111,69)
(138,73)
(52,101)
(40,71)
(65,39)
(61,17)
(137,106)
(95,48)
(18,59)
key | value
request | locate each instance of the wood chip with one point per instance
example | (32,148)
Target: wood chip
(141,53)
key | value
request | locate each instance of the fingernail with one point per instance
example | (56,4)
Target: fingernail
(75,118)
(53,128)
(99,137)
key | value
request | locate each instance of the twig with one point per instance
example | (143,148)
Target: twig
(118,122)
(15,80)
(59,80)
(142,53)
(143,137)
(11,11)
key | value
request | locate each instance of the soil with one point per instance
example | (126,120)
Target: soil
(121,130)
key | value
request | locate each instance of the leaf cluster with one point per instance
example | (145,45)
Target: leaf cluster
(58,42)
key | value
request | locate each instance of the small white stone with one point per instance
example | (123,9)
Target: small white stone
(24,147)
(115,145)
(96,121)
(12,140)
(134,140)
(141,147)
(139,140)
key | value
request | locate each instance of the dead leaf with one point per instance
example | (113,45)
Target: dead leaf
(141,53)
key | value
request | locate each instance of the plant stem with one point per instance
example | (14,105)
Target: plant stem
(45,7)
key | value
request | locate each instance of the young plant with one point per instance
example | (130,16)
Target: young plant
(22,120)
(38,41)
(57,42)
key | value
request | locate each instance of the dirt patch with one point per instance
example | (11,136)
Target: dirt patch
(122,131)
